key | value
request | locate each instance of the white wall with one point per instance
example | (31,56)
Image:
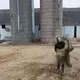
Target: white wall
(4,33)
(69,30)
(78,31)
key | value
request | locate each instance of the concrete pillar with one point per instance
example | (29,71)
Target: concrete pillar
(51,19)
(21,21)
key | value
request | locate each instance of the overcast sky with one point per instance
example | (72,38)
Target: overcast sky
(4,4)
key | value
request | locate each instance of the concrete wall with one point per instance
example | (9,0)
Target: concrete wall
(51,19)
(21,23)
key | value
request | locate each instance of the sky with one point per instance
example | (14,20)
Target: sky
(4,4)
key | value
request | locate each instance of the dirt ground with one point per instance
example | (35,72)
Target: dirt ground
(35,62)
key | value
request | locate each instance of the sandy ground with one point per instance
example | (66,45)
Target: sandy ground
(35,62)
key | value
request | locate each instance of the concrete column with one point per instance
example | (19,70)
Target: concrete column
(51,19)
(21,21)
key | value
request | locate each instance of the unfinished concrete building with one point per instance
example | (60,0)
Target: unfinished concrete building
(21,21)
(51,19)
